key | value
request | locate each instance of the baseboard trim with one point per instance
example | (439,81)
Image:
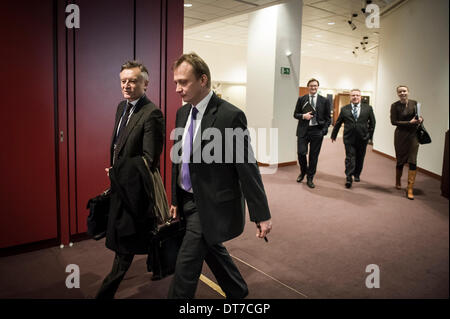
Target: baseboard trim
(279,164)
(422,170)
(28,247)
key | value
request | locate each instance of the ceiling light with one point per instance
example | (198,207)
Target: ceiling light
(331,23)
(207,36)
(318,36)
(188,5)
(350,22)
(363,9)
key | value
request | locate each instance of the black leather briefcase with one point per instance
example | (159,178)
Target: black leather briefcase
(98,215)
(165,243)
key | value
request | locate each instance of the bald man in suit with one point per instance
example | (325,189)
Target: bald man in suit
(359,125)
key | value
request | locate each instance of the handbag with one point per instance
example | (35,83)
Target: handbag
(422,135)
(167,236)
(97,219)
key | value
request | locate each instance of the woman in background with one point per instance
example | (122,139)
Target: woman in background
(404,115)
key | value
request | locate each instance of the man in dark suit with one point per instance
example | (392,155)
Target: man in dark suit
(138,132)
(359,125)
(313,114)
(210,191)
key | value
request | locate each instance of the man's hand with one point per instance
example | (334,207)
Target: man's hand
(173,211)
(264,228)
(107,170)
(308,116)
(416,121)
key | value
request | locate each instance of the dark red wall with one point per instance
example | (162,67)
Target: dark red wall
(67,80)
(28,194)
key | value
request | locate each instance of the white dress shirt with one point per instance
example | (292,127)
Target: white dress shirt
(201,107)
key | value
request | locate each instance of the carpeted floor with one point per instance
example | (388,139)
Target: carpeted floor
(321,243)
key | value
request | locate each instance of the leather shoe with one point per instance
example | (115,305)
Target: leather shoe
(356,179)
(300,178)
(310,183)
(348,184)
(241,296)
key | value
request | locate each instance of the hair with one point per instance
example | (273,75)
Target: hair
(200,67)
(136,64)
(401,86)
(313,80)
(355,90)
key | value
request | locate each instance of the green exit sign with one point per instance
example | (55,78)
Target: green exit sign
(285,71)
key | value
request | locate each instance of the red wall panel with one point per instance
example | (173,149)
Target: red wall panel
(148,49)
(67,80)
(102,44)
(174,48)
(28,195)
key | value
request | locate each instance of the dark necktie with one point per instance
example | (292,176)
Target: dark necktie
(313,121)
(312,102)
(187,150)
(355,111)
(123,122)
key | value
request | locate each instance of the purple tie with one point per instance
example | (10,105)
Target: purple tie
(187,150)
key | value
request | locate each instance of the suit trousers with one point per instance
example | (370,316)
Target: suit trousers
(121,264)
(354,158)
(193,251)
(314,138)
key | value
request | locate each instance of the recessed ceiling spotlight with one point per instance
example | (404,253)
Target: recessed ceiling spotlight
(331,23)
(207,36)
(350,22)
(188,5)
(318,36)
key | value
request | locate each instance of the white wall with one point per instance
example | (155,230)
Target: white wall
(262,26)
(234,93)
(414,51)
(337,75)
(286,86)
(226,62)
(271,96)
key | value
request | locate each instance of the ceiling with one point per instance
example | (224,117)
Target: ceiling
(226,21)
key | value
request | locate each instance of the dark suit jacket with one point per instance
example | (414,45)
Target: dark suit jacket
(144,133)
(131,215)
(219,187)
(354,131)
(130,219)
(322,114)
